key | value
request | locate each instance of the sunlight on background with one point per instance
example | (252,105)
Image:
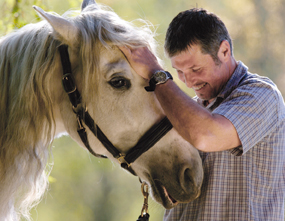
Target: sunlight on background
(84,188)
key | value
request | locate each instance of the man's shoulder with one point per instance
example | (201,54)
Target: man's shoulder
(260,86)
(242,76)
(257,80)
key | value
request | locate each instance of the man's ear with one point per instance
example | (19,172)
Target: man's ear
(224,52)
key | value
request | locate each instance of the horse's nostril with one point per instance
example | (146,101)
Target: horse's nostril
(188,176)
(186,180)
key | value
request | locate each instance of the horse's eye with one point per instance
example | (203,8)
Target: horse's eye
(120,83)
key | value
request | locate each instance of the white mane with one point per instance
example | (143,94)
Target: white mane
(26,99)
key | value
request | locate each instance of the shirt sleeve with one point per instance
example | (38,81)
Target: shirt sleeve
(252,109)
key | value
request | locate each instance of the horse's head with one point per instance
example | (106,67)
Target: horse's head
(116,99)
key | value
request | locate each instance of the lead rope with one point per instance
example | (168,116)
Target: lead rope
(144,213)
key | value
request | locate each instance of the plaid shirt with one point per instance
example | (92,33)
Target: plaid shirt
(247,182)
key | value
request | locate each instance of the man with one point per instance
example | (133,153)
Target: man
(236,121)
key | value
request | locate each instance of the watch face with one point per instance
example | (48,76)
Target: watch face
(160,77)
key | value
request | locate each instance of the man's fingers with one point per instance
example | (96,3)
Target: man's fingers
(126,51)
(142,60)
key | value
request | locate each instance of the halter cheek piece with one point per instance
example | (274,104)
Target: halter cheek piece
(154,134)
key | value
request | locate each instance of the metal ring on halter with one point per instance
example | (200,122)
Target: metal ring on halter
(80,125)
(122,161)
(79,108)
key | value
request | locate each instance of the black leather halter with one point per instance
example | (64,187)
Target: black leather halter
(153,135)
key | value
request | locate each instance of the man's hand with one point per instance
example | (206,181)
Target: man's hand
(142,60)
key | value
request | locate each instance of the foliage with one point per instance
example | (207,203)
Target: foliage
(85,188)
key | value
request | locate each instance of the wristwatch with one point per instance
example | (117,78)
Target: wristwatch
(159,77)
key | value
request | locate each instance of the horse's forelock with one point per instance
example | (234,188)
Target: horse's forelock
(99,26)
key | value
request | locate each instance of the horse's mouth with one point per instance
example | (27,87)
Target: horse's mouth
(169,197)
(165,198)
(162,196)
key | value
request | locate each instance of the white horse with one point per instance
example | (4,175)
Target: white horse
(35,108)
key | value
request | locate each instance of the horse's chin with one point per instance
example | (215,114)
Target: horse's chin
(168,201)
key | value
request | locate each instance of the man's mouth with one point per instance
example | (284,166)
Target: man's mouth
(198,87)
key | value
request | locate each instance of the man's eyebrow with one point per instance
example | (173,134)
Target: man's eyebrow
(193,66)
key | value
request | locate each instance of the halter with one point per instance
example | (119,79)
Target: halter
(154,134)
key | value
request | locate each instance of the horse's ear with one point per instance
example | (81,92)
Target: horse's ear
(64,30)
(85,3)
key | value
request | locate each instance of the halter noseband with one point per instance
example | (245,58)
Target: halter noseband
(154,134)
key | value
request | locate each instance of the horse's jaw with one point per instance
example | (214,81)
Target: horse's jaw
(59,127)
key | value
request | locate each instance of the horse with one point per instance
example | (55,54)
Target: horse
(66,74)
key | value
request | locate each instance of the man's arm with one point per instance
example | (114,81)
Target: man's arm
(206,131)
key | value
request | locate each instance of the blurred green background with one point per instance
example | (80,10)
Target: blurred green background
(84,188)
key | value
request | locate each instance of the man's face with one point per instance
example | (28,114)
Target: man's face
(199,72)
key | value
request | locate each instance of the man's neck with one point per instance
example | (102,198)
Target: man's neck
(233,65)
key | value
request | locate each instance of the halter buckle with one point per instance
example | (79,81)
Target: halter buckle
(122,161)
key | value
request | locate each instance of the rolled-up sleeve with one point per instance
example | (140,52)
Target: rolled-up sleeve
(252,109)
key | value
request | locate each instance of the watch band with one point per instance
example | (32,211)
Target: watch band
(152,85)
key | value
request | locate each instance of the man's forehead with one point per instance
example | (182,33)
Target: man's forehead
(191,57)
